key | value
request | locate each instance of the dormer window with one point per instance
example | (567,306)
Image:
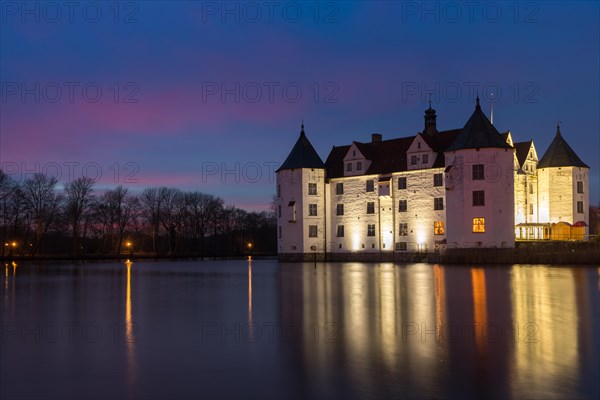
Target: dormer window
(353,153)
(359,166)
(425,158)
(349,167)
(414,160)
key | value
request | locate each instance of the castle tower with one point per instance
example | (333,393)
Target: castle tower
(480,186)
(563,186)
(300,200)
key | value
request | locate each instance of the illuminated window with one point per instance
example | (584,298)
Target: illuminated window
(340,209)
(531,209)
(478,225)
(478,174)
(425,158)
(339,188)
(340,231)
(312,210)
(438,180)
(370,185)
(438,228)
(580,207)
(402,205)
(312,231)
(579,187)
(370,207)
(438,203)
(402,183)
(403,229)
(478,198)
(359,165)
(312,189)
(371,230)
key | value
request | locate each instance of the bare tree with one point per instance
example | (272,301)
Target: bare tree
(150,202)
(77,203)
(42,204)
(116,212)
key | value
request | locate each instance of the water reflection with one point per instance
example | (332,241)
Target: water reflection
(249,290)
(130,330)
(439,331)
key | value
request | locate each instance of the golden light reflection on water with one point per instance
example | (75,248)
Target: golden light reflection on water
(249,290)
(545,319)
(480,306)
(129,329)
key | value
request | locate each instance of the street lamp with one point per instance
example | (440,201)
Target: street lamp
(129,246)
(249,245)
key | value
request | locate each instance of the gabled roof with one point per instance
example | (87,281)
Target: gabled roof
(560,154)
(303,155)
(478,132)
(388,156)
(522,150)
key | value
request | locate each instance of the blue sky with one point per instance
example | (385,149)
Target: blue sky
(209,96)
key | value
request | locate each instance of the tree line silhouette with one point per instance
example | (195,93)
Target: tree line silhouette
(37,219)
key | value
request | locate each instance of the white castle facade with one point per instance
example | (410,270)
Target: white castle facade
(469,187)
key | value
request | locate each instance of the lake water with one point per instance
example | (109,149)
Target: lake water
(230,329)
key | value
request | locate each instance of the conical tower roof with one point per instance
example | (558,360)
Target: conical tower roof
(560,154)
(478,132)
(303,155)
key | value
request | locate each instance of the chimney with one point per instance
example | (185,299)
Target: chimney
(375,137)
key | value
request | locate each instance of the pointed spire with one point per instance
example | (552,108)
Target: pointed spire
(302,128)
(558,128)
(430,101)
(477,106)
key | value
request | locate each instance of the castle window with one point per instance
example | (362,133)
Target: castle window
(414,160)
(279,232)
(312,231)
(402,183)
(278,190)
(349,167)
(438,203)
(312,189)
(359,166)
(403,205)
(312,210)
(293,205)
(339,209)
(401,246)
(478,174)
(438,180)
(579,187)
(580,207)
(438,228)
(531,209)
(530,188)
(425,158)
(371,230)
(478,225)
(478,198)
(339,188)
(370,185)
(279,211)
(340,231)
(371,207)
(403,229)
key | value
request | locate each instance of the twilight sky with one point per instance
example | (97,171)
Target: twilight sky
(209,96)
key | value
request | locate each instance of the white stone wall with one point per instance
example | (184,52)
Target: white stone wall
(293,186)
(355,219)
(420,215)
(498,185)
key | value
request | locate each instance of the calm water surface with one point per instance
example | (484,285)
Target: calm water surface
(227,329)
